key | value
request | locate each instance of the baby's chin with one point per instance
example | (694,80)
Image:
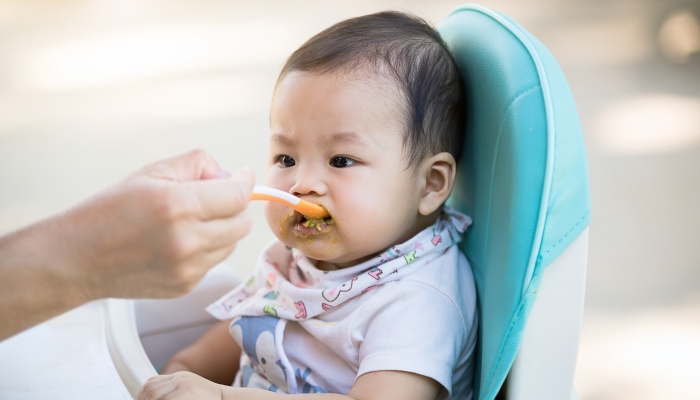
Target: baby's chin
(320,246)
(328,250)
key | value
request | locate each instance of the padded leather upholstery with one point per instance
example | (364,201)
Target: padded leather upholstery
(523,175)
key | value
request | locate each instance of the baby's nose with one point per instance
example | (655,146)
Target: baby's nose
(308,183)
(301,190)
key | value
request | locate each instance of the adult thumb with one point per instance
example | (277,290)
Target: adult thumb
(246,176)
(192,166)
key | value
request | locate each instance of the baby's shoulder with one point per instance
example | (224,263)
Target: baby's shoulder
(449,274)
(440,290)
(406,307)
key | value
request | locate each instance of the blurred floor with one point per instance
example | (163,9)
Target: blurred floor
(91,90)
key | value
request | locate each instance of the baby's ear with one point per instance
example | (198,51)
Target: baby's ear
(438,172)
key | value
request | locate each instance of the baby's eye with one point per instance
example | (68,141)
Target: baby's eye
(341,162)
(286,161)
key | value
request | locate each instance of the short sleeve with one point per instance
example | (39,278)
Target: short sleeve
(410,326)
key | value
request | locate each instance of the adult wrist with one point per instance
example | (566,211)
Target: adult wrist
(75,264)
(56,259)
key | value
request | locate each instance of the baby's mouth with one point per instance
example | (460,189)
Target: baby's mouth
(306,226)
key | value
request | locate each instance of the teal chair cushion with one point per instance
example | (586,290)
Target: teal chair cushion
(523,176)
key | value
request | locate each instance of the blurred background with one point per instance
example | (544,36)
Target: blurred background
(91,90)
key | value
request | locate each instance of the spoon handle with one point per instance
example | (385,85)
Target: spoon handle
(307,208)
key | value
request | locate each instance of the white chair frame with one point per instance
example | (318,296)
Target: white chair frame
(545,365)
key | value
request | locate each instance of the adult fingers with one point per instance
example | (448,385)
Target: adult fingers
(222,198)
(224,232)
(219,255)
(191,166)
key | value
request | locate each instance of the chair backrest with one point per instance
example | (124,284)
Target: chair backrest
(523,175)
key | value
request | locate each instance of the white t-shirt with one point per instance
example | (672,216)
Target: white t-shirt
(424,323)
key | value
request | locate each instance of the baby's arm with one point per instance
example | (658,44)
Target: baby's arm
(378,385)
(394,385)
(214,356)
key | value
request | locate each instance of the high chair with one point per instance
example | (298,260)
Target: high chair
(523,179)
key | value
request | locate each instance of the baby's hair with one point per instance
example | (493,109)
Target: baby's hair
(415,57)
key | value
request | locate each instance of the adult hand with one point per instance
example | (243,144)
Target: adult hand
(154,234)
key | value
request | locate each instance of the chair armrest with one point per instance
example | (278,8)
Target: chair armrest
(142,334)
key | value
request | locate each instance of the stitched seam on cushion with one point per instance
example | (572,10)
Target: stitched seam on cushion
(510,329)
(566,234)
(493,166)
(521,307)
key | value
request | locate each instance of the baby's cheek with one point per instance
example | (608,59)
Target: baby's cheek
(359,229)
(373,228)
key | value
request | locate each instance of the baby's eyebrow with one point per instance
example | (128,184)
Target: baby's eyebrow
(281,139)
(349,137)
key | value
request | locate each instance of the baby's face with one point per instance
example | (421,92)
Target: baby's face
(336,140)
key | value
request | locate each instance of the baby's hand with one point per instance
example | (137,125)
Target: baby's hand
(180,385)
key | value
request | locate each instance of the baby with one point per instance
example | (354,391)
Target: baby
(376,301)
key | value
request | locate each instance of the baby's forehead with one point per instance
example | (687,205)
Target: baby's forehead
(367,86)
(378,81)
(349,110)
(379,78)
(376,78)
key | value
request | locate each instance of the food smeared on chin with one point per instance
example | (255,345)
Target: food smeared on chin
(306,226)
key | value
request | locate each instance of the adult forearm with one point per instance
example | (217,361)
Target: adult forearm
(153,234)
(37,279)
